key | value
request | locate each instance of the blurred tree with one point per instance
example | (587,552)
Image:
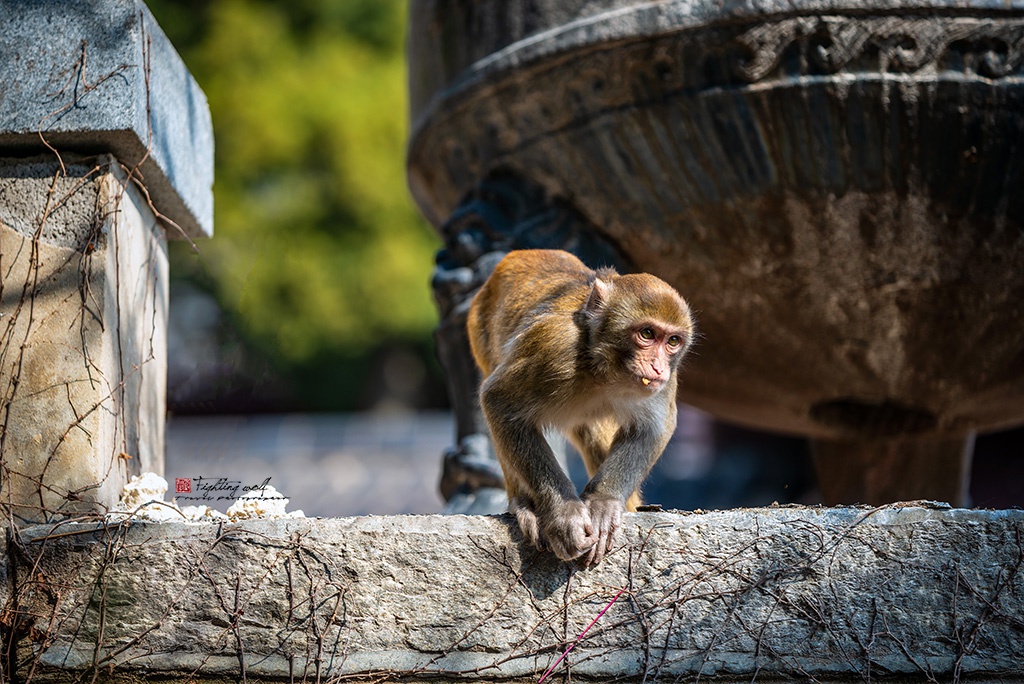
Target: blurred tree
(320,258)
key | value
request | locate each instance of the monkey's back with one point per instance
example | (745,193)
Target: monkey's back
(527,290)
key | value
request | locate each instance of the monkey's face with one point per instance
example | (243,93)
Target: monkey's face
(640,329)
(656,349)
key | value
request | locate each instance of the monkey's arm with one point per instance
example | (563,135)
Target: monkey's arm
(634,450)
(541,495)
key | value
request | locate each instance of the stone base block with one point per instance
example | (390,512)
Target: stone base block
(83,310)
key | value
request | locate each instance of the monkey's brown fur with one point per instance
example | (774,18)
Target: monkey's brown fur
(593,354)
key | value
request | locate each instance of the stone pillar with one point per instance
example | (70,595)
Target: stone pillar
(105,152)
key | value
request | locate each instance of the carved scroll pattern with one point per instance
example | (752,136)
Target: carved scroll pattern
(991,49)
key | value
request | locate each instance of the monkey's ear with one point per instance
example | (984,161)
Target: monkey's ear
(598,296)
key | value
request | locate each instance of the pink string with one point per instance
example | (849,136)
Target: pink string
(580,637)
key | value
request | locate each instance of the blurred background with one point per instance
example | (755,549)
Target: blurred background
(301,334)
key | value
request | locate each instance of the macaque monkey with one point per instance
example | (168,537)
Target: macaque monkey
(593,354)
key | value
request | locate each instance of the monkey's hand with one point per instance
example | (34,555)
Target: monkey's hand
(527,519)
(606,517)
(568,531)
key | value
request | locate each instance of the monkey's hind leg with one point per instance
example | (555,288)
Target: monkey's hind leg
(594,441)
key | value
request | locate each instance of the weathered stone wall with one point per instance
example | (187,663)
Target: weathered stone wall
(822,594)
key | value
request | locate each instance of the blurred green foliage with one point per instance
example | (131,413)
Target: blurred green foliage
(319,256)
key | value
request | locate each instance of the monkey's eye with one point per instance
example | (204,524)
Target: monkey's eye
(646,334)
(675,341)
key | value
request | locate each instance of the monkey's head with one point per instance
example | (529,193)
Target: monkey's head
(639,330)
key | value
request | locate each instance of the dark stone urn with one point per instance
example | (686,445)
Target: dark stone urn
(837,187)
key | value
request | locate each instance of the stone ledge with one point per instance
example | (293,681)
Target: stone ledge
(828,594)
(102,77)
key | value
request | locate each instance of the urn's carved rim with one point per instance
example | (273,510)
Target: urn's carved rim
(530,90)
(766,38)
(644,21)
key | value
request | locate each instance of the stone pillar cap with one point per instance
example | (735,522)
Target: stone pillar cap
(101,76)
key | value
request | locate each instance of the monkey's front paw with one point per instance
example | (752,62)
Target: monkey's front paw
(568,531)
(529,525)
(606,517)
